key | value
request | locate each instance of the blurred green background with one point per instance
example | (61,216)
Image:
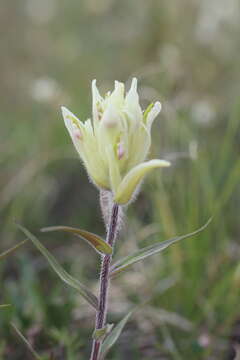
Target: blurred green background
(185,54)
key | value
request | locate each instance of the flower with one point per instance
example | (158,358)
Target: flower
(115,144)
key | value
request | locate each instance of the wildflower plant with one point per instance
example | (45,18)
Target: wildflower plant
(113,147)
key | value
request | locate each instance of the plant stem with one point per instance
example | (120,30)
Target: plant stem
(104,282)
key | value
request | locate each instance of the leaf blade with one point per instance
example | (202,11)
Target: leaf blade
(145,252)
(92,239)
(60,271)
(3,306)
(114,335)
(12,249)
(26,342)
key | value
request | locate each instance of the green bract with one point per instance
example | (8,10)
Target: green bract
(115,144)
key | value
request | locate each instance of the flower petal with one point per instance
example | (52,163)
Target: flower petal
(117,96)
(86,145)
(132,107)
(96,104)
(153,113)
(133,178)
(111,117)
(114,172)
(139,144)
(75,128)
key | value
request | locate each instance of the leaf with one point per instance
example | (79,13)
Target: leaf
(26,342)
(141,254)
(12,249)
(92,239)
(133,178)
(113,336)
(64,276)
(101,334)
(4,306)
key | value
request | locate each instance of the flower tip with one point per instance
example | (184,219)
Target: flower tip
(134,84)
(67,115)
(159,163)
(119,87)
(65,111)
(94,88)
(151,113)
(166,163)
(134,81)
(158,106)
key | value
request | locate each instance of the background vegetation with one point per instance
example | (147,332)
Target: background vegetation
(186,54)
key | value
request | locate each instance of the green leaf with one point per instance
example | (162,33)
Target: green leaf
(4,306)
(100,333)
(94,240)
(113,336)
(141,254)
(27,343)
(12,249)
(64,276)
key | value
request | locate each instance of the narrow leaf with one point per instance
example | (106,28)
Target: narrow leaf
(113,335)
(92,239)
(2,306)
(12,249)
(134,177)
(26,342)
(64,276)
(100,333)
(141,254)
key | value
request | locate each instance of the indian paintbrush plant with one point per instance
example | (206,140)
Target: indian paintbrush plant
(113,147)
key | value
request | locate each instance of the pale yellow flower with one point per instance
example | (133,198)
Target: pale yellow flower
(115,144)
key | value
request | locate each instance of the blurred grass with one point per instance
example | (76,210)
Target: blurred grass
(185,54)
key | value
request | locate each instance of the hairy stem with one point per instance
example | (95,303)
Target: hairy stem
(104,282)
